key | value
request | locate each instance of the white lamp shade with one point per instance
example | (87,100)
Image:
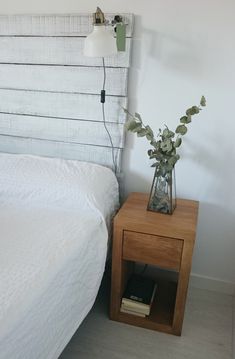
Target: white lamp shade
(100,42)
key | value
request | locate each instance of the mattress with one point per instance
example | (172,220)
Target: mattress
(53,245)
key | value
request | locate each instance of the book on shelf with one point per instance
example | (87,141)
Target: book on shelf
(139,294)
(128,311)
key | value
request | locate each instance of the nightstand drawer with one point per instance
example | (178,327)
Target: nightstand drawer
(151,249)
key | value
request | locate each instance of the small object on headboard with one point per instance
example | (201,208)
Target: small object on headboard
(121,36)
(120,29)
(102,96)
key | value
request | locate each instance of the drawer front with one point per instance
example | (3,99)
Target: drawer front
(160,251)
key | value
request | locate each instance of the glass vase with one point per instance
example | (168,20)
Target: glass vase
(163,193)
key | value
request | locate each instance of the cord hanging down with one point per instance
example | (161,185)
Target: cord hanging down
(102,100)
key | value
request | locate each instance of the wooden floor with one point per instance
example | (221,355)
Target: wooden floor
(207,332)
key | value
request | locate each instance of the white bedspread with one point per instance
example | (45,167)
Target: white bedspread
(53,246)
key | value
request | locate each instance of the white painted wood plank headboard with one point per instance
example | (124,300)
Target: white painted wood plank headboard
(49,92)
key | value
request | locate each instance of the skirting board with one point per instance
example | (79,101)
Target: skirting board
(214,284)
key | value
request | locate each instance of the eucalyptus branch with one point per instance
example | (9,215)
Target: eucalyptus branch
(164,150)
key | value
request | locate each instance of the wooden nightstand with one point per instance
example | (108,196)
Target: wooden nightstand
(165,241)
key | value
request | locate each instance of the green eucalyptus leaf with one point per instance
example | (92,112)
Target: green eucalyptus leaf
(137,128)
(189,112)
(155,144)
(189,119)
(137,115)
(166,145)
(150,131)
(149,137)
(186,119)
(178,142)
(131,125)
(195,110)
(182,129)
(192,111)
(158,156)
(167,133)
(141,132)
(203,101)
(172,160)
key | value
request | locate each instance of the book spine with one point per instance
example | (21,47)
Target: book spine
(144,311)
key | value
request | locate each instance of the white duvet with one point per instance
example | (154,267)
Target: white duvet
(53,246)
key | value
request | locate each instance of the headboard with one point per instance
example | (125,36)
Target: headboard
(49,92)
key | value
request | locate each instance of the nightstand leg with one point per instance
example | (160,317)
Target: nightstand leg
(116,290)
(184,273)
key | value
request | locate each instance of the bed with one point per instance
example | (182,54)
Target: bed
(54,218)
(58,191)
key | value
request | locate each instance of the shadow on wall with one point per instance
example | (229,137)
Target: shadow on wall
(216,240)
(175,54)
(136,183)
(215,163)
(151,49)
(183,53)
(133,83)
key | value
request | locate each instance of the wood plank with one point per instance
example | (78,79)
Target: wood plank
(87,80)
(101,155)
(59,50)
(81,132)
(55,25)
(73,106)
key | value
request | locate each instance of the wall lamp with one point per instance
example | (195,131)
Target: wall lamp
(101,41)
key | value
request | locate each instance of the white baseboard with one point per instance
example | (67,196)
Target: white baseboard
(217,285)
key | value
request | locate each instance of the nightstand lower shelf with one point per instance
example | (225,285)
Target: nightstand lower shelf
(162,312)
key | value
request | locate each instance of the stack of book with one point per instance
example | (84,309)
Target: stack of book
(138,296)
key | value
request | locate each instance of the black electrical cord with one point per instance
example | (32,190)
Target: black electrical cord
(102,100)
(142,271)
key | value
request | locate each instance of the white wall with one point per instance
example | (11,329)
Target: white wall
(181,50)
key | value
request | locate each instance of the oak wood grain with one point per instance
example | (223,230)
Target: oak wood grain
(146,248)
(182,224)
